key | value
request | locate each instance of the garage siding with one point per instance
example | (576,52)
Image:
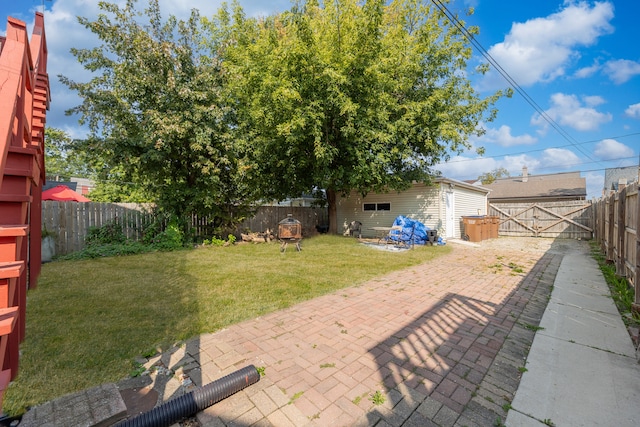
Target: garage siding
(468,203)
(419,202)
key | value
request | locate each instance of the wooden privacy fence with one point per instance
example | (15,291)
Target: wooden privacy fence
(616,230)
(69,222)
(571,219)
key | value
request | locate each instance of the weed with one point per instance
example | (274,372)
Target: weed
(357,400)
(315,416)
(516,268)
(377,398)
(506,407)
(344,331)
(531,327)
(152,351)
(260,370)
(548,422)
(328,365)
(498,423)
(489,399)
(522,369)
(296,396)
(622,294)
(138,369)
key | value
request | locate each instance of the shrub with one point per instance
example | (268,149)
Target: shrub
(110,233)
(170,239)
(106,250)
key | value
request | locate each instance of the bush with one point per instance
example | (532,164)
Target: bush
(110,233)
(170,239)
(107,250)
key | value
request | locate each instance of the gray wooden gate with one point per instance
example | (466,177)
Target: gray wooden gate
(572,219)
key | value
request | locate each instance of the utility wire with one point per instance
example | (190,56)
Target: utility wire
(443,8)
(548,148)
(582,171)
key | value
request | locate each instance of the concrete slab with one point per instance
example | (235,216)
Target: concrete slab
(574,385)
(581,369)
(586,327)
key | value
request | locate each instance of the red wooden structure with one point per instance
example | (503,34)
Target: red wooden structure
(24,101)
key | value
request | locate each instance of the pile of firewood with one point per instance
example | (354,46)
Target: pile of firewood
(264,237)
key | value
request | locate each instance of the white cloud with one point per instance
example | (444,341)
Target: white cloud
(559,158)
(568,110)
(463,168)
(633,111)
(586,72)
(610,149)
(514,164)
(503,137)
(540,49)
(593,100)
(595,184)
(621,70)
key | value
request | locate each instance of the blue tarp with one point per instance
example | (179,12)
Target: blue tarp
(419,232)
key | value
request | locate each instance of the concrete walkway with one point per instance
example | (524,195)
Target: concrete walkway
(440,344)
(581,369)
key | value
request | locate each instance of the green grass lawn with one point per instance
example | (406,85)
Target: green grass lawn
(88,320)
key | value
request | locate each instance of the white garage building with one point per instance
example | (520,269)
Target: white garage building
(440,207)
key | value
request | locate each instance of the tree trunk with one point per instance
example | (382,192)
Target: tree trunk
(333,213)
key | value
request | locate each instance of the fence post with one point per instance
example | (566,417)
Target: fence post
(612,222)
(622,204)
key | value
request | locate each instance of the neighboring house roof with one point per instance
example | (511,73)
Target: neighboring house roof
(464,184)
(51,184)
(613,176)
(558,186)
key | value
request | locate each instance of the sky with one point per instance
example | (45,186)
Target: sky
(574,66)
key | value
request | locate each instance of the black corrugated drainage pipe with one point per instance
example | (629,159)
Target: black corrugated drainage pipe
(187,405)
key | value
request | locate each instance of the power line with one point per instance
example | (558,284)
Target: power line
(559,146)
(507,77)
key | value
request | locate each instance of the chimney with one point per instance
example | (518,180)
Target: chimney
(622,182)
(525,174)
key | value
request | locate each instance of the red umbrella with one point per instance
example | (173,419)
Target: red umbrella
(62,193)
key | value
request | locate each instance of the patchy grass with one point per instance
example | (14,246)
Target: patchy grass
(89,319)
(622,292)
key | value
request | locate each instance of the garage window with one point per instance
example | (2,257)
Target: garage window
(376,206)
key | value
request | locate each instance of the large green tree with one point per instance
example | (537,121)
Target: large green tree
(63,157)
(156,112)
(348,95)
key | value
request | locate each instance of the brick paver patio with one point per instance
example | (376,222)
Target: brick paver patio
(440,344)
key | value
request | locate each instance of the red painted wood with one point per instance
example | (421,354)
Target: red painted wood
(24,101)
